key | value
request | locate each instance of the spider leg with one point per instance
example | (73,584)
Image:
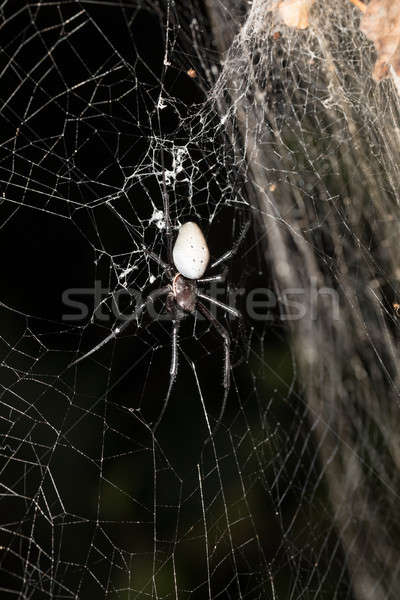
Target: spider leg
(227,362)
(119,328)
(157,294)
(225,307)
(168,228)
(220,277)
(173,370)
(227,255)
(174,359)
(159,260)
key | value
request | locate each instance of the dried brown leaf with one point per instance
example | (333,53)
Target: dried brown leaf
(381,24)
(294,13)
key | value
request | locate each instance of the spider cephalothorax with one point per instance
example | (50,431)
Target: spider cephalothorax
(187,262)
(184,293)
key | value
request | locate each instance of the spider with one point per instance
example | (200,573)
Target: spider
(187,262)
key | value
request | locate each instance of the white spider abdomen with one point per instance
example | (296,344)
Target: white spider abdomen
(190,252)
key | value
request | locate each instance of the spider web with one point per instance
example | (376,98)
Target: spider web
(295,495)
